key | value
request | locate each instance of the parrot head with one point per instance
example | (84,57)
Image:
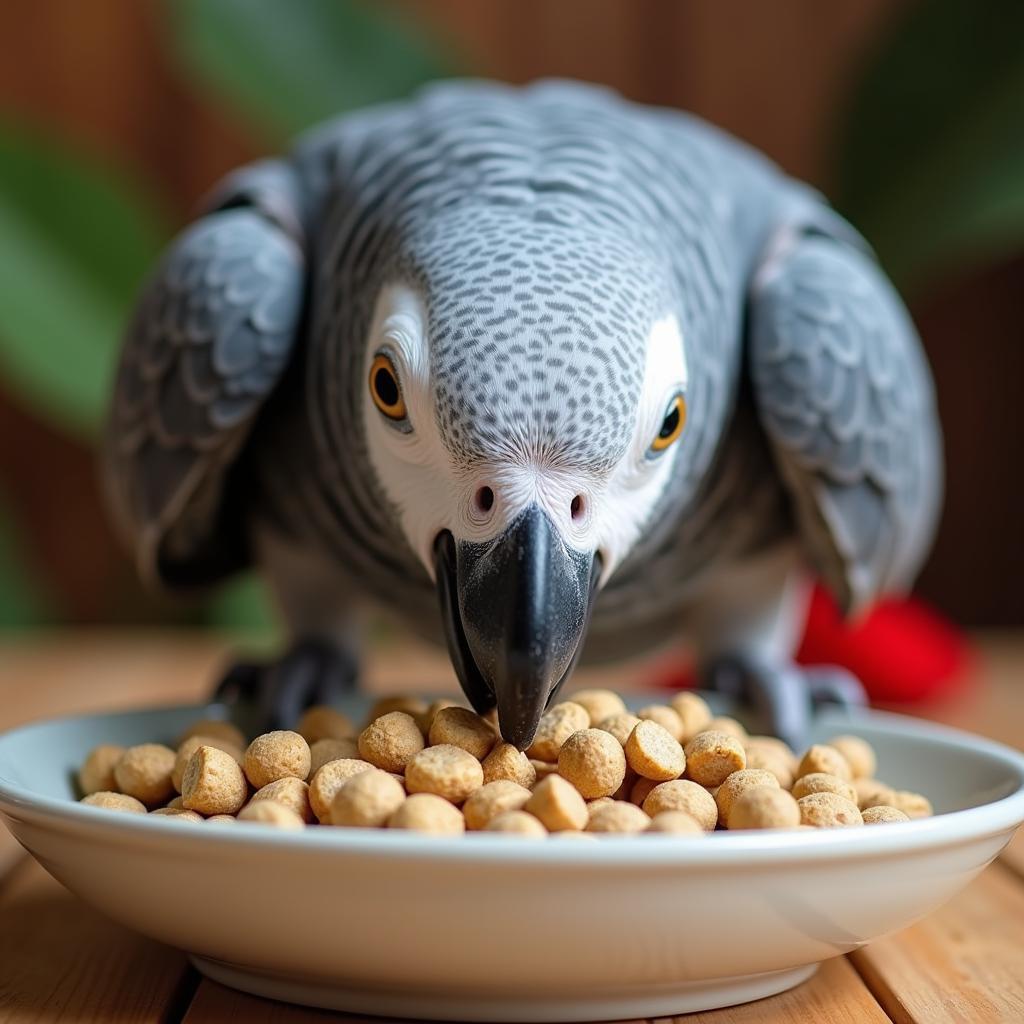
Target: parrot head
(524,389)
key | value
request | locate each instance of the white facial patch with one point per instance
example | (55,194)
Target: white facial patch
(431,492)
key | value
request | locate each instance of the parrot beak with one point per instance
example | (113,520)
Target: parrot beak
(515,612)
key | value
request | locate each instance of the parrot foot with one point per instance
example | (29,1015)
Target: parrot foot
(274,695)
(783,696)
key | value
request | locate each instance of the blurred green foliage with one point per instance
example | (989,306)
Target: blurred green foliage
(931,160)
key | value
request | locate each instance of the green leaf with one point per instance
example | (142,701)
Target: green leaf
(75,241)
(931,164)
(244,606)
(289,65)
(22,602)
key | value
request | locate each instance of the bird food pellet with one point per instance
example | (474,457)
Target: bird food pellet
(367,800)
(558,805)
(492,799)
(556,725)
(712,756)
(445,770)
(764,807)
(736,785)
(291,792)
(463,728)
(268,812)
(425,812)
(213,783)
(828,810)
(144,772)
(441,769)
(276,755)
(506,762)
(517,823)
(882,815)
(390,740)
(593,762)
(653,752)
(97,772)
(599,704)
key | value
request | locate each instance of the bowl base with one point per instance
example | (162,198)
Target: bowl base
(643,1002)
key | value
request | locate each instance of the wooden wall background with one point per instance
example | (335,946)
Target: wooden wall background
(774,73)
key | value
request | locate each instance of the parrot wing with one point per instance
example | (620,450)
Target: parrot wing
(209,341)
(845,396)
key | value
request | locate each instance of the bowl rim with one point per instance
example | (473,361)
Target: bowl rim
(721,849)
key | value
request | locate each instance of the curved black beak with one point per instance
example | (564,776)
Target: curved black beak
(515,612)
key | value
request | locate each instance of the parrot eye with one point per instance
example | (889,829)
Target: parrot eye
(384,389)
(671,425)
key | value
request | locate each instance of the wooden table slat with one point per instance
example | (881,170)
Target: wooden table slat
(214,1003)
(964,964)
(61,960)
(1012,857)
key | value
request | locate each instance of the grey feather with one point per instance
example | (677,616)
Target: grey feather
(846,400)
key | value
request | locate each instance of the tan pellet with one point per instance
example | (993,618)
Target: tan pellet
(593,806)
(324,723)
(913,805)
(213,783)
(653,752)
(736,785)
(620,726)
(222,819)
(558,805)
(97,772)
(267,812)
(711,757)
(828,810)
(872,793)
(329,779)
(686,796)
(676,823)
(114,802)
(426,720)
(770,761)
(640,789)
(415,707)
(390,740)
(367,800)
(728,725)
(823,758)
(822,782)
(598,704)
(191,745)
(517,823)
(557,724)
(693,711)
(882,815)
(492,799)
(859,754)
(593,762)
(505,762)
(290,792)
(176,804)
(217,727)
(463,728)
(276,755)
(331,750)
(445,770)
(542,769)
(144,772)
(764,807)
(666,717)
(179,814)
(425,812)
(618,816)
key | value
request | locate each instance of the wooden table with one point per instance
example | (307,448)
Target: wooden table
(62,961)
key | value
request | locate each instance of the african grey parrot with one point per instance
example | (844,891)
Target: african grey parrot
(523,366)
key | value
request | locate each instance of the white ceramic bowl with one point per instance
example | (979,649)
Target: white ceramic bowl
(491,928)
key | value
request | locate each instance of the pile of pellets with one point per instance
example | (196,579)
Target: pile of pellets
(594,768)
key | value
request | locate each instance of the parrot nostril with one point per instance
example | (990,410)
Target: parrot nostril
(485,499)
(576,507)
